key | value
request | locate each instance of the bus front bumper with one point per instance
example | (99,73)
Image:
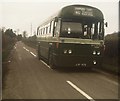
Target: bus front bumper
(76,61)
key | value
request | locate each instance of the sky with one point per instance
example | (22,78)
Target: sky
(22,15)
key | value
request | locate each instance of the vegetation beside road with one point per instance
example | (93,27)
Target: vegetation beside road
(8,41)
(9,38)
(110,61)
(30,41)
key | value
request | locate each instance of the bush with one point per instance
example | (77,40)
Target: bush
(30,41)
(111,45)
(111,52)
(8,41)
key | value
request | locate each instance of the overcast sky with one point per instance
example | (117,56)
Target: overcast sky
(21,14)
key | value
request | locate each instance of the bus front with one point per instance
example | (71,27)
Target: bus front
(81,37)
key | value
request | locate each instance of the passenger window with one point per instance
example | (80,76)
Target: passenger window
(51,26)
(57,28)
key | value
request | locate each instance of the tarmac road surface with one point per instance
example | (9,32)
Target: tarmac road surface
(30,78)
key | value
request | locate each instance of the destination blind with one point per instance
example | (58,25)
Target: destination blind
(80,11)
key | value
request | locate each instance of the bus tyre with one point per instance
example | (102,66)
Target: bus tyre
(51,64)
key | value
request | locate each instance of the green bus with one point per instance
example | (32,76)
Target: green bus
(73,37)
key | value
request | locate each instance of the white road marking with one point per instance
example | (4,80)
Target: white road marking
(45,64)
(36,56)
(80,91)
(9,61)
(33,54)
(27,50)
(20,58)
(24,48)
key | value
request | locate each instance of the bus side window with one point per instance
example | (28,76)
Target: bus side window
(57,28)
(54,27)
(42,31)
(93,29)
(51,27)
(46,30)
(38,31)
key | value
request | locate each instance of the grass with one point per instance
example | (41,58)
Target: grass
(5,55)
(110,64)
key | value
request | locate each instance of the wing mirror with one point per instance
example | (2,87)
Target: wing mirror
(106,24)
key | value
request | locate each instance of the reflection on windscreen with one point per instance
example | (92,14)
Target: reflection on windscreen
(82,30)
(71,29)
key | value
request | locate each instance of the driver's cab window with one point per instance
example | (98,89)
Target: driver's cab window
(87,31)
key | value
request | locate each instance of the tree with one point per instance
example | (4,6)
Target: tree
(111,45)
(24,34)
(19,37)
(9,32)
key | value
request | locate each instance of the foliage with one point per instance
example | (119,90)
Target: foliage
(111,45)
(10,33)
(24,34)
(110,60)
(30,41)
(8,41)
(19,37)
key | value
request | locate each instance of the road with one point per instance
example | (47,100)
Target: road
(30,78)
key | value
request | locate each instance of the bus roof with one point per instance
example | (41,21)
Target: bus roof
(77,12)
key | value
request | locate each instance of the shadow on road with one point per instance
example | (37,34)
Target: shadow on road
(74,70)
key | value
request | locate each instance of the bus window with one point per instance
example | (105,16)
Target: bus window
(93,29)
(88,30)
(43,30)
(39,32)
(85,31)
(51,27)
(57,28)
(71,29)
(48,30)
(98,31)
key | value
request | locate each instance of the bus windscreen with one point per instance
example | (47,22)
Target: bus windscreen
(89,30)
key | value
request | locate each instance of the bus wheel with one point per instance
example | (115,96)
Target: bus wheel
(51,64)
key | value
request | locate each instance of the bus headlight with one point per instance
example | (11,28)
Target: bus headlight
(98,53)
(94,52)
(65,51)
(70,51)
